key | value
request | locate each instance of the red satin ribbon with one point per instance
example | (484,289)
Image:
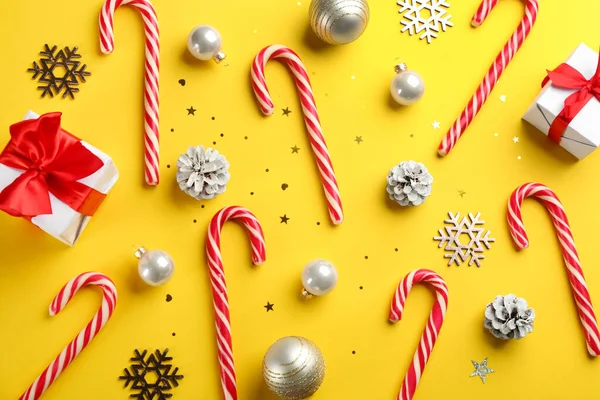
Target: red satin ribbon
(567,77)
(53,161)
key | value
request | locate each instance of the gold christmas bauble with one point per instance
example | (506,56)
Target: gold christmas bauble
(294,368)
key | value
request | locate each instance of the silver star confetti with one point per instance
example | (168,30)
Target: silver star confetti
(481,370)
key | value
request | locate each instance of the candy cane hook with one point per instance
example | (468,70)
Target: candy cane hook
(569,252)
(311,117)
(219,287)
(491,78)
(57,366)
(107,44)
(432,329)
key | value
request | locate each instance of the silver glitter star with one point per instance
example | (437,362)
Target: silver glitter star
(481,370)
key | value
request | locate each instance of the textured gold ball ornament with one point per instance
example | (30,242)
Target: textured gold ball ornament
(339,21)
(294,368)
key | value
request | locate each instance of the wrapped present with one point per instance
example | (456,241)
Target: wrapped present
(568,107)
(52,178)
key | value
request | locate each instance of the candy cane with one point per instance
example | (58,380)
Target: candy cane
(219,287)
(107,45)
(311,117)
(489,81)
(57,366)
(432,329)
(569,252)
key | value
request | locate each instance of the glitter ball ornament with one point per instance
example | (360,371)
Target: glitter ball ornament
(508,317)
(294,368)
(204,43)
(409,183)
(339,21)
(319,277)
(407,86)
(201,173)
(155,267)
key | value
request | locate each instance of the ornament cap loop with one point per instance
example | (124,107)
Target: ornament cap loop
(220,56)
(400,67)
(140,251)
(306,295)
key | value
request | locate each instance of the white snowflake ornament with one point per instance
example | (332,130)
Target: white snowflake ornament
(426,16)
(456,250)
(201,173)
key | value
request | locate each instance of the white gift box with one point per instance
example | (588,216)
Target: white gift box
(64,223)
(583,133)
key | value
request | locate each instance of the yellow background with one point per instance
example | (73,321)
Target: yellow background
(551,363)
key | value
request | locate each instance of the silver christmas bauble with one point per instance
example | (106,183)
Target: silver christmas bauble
(294,368)
(204,43)
(319,277)
(339,21)
(154,266)
(407,86)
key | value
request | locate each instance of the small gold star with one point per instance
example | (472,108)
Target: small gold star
(269,307)
(286,111)
(516,139)
(295,149)
(481,370)
(284,219)
(462,193)
(359,139)
(436,124)
(191,111)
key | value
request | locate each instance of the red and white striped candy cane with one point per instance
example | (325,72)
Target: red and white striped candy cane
(489,81)
(432,329)
(569,252)
(311,117)
(109,301)
(107,45)
(219,287)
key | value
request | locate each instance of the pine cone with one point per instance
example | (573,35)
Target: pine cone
(409,183)
(508,317)
(201,173)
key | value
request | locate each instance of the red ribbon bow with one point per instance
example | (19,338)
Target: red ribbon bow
(53,161)
(567,77)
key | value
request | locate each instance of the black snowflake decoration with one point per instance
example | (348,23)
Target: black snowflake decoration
(59,71)
(151,376)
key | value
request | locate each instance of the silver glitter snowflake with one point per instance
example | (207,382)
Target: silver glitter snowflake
(426,16)
(457,251)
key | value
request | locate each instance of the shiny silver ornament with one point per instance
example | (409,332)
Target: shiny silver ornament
(154,266)
(294,368)
(319,277)
(204,43)
(339,21)
(407,86)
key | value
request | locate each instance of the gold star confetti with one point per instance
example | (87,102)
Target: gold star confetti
(481,370)
(462,193)
(286,111)
(359,139)
(436,124)
(295,149)
(516,139)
